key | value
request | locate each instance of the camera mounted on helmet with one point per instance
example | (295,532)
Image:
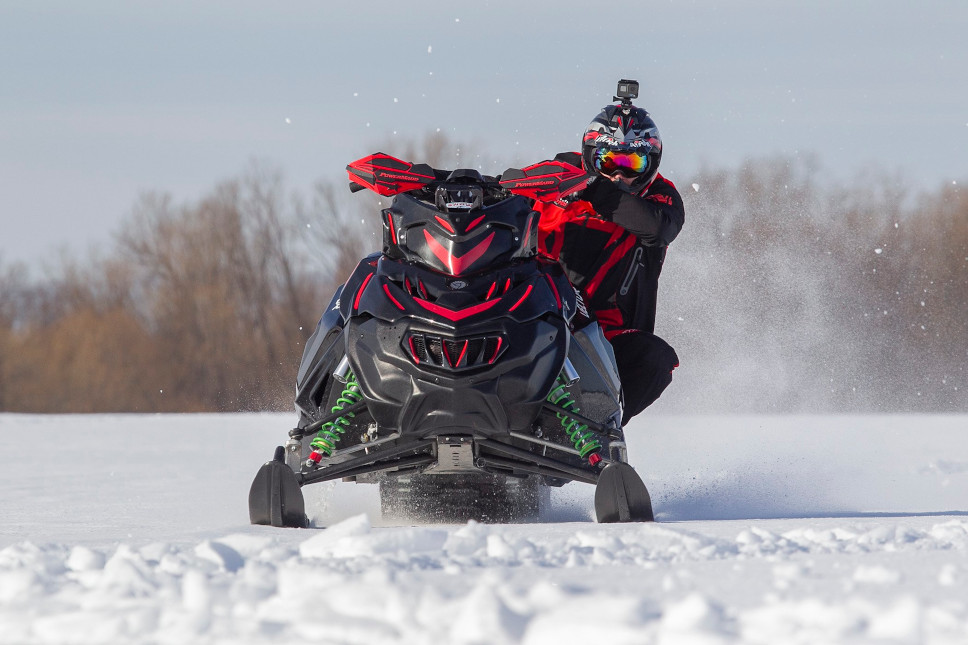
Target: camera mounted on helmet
(622,142)
(626,91)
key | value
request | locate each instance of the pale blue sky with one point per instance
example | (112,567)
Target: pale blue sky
(102,100)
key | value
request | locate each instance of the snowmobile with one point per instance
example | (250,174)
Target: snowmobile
(456,369)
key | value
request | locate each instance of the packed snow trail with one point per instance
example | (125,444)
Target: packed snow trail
(138,533)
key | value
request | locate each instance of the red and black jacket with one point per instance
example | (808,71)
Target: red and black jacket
(612,245)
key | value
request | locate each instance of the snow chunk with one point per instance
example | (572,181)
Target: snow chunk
(84,559)
(469,540)
(949,575)
(878,251)
(354,538)
(695,612)
(127,575)
(196,594)
(222,555)
(695,187)
(322,545)
(18,585)
(899,624)
(485,617)
(876,575)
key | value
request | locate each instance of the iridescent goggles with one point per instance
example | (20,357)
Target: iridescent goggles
(623,161)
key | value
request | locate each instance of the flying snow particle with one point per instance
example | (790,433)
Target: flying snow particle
(396,100)
(161,391)
(456,19)
(878,251)
(497,100)
(430,49)
(695,187)
(356,93)
(288,120)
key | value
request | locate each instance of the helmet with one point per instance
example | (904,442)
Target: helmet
(622,140)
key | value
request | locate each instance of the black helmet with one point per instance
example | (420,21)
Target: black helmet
(624,140)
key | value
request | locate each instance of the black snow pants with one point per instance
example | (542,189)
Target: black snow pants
(645,363)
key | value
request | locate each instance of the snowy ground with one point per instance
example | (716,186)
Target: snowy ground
(823,529)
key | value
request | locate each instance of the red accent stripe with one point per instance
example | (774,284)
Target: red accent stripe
(490,292)
(457,265)
(445,224)
(356,303)
(527,235)
(423,289)
(386,288)
(393,231)
(555,290)
(474,223)
(413,352)
(459,314)
(406,283)
(496,350)
(617,254)
(443,346)
(507,285)
(523,298)
(462,352)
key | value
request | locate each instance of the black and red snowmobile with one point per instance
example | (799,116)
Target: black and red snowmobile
(454,369)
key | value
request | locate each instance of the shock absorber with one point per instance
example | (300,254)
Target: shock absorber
(584,440)
(329,434)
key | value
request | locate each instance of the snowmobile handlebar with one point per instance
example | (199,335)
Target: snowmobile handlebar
(388,176)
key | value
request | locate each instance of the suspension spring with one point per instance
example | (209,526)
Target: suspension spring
(584,440)
(329,434)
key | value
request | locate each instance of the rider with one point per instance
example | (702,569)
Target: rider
(611,238)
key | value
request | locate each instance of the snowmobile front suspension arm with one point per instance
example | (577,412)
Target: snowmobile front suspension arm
(580,418)
(365,463)
(565,470)
(299,433)
(497,464)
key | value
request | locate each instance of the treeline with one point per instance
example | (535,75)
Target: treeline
(197,307)
(783,293)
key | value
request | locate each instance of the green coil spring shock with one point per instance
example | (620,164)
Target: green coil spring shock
(584,440)
(328,435)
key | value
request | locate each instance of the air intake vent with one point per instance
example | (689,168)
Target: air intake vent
(455,354)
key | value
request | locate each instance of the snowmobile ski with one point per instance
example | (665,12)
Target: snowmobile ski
(275,498)
(621,496)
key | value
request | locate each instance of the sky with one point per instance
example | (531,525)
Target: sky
(102,101)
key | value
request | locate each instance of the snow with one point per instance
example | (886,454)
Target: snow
(773,529)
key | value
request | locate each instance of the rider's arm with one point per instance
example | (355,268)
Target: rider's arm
(656,216)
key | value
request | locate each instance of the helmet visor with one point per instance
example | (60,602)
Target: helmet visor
(629,163)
